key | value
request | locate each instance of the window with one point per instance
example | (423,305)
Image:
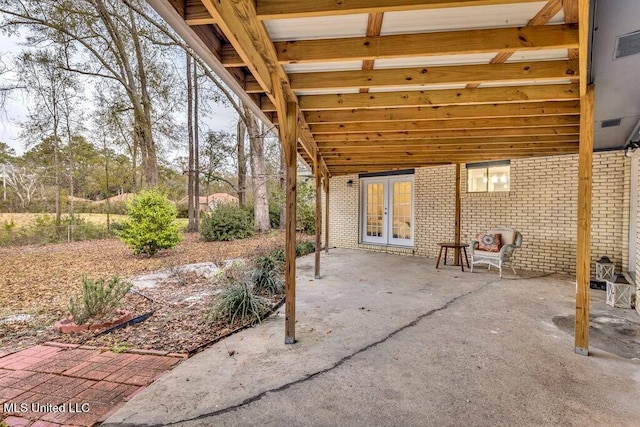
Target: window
(488,177)
(387,210)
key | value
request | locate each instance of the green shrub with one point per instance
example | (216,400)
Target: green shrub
(304,248)
(227,222)
(265,278)
(99,299)
(306,218)
(238,301)
(277,255)
(151,224)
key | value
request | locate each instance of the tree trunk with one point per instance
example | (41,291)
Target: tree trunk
(56,157)
(190,186)
(242,164)
(258,174)
(196,146)
(283,186)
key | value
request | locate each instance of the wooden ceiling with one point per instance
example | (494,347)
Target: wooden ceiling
(483,105)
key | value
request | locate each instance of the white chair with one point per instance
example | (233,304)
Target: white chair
(511,240)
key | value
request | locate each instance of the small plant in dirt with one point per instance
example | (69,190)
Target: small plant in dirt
(304,248)
(277,255)
(227,222)
(151,224)
(98,300)
(238,301)
(265,277)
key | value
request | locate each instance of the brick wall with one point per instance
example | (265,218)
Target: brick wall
(542,204)
(636,159)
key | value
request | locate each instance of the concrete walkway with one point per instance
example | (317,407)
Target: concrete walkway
(390,340)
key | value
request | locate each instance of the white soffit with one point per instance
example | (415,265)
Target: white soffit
(323,27)
(463,18)
(417,88)
(539,55)
(323,66)
(431,61)
(527,83)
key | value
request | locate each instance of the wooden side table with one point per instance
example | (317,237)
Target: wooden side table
(446,247)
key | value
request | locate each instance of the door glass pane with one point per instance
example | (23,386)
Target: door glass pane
(401,210)
(375,201)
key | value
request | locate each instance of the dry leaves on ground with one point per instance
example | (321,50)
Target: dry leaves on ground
(39,280)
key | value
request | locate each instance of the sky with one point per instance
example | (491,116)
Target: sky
(16,106)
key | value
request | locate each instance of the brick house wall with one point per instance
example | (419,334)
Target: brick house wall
(542,204)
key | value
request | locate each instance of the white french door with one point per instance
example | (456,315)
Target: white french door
(388,210)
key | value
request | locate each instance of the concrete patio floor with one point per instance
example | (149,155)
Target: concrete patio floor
(389,340)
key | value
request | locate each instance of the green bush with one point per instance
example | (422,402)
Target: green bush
(99,299)
(305,247)
(306,218)
(238,301)
(151,224)
(227,222)
(277,255)
(265,278)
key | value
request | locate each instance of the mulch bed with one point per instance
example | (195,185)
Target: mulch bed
(37,282)
(178,323)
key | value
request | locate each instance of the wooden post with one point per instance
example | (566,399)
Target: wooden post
(583,262)
(326,213)
(290,145)
(457,223)
(316,170)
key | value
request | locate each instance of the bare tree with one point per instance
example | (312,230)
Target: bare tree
(107,40)
(24,181)
(192,204)
(196,147)
(242,163)
(258,173)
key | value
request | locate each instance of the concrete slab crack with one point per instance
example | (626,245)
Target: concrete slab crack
(309,377)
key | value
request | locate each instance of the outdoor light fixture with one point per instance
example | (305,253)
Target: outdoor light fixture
(350,183)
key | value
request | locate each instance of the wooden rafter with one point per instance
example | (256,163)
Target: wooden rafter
(512,73)
(281,9)
(374,26)
(454,124)
(423,44)
(530,109)
(195,13)
(404,144)
(502,95)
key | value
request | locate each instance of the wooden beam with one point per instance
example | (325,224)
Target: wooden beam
(195,13)
(429,44)
(511,73)
(420,44)
(290,134)
(282,9)
(446,158)
(483,142)
(459,124)
(317,173)
(425,149)
(571,13)
(495,95)
(531,109)
(326,213)
(583,49)
(441,155)
(456,234)
(449,134)
(374,26)
(583,250)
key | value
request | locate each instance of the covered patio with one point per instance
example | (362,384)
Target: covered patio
(406,345)
(373,86)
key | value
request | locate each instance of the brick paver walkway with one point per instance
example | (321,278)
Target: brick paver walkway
(46,386)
